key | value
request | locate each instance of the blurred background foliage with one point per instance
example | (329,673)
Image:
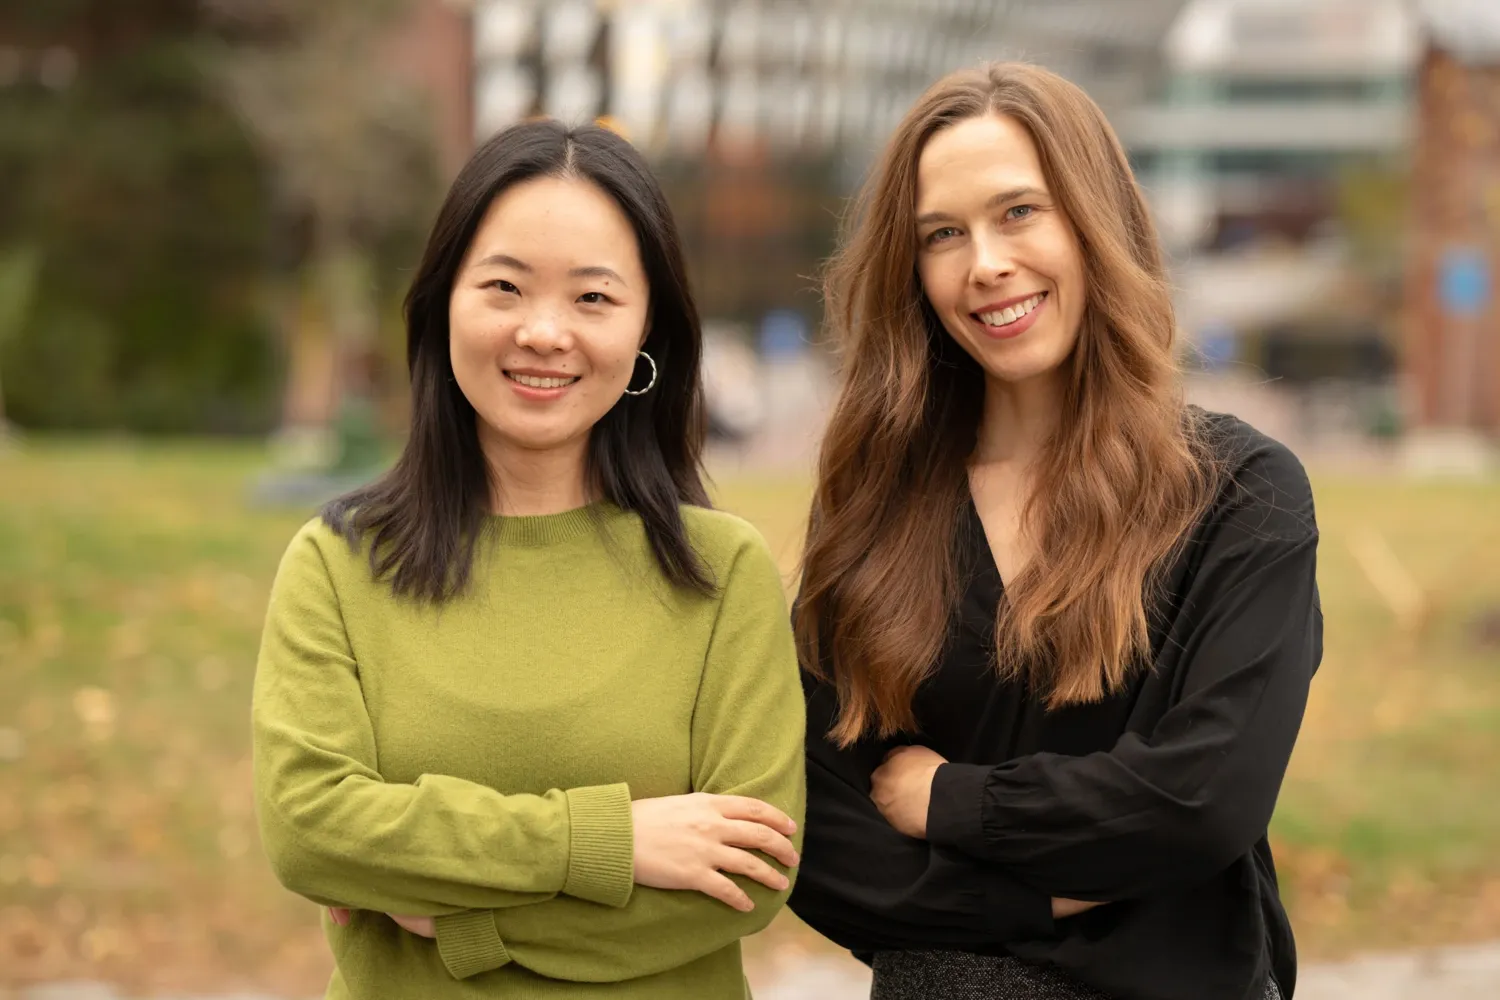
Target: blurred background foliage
(179,189)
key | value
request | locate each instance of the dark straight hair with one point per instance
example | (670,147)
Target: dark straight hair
(424,518)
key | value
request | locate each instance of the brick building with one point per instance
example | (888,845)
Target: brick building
(1452,350)
(432,48)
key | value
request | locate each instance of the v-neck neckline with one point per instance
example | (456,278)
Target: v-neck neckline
(979,539)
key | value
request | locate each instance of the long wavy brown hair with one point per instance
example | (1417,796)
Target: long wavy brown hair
(1120,482)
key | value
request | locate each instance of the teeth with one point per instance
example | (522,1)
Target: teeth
(537,382)
(1009,315)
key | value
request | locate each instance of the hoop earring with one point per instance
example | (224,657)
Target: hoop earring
(649,385)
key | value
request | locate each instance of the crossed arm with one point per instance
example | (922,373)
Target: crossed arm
(547,880)
(908,850)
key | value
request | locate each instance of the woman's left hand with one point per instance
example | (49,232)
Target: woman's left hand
(902,788)
(422,926)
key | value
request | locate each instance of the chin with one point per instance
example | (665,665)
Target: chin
(530,438)
(1015,370)
(543,442)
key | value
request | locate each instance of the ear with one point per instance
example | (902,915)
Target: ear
(646,327)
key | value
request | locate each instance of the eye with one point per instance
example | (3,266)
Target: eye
(1020,212)
(503,285)
(938,235)
(593,298)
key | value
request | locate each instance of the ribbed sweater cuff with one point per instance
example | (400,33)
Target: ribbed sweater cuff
(601,845)
(469,943)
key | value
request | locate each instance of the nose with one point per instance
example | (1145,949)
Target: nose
(992,260)
(544,331)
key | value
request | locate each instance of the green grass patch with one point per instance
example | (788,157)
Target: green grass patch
(133,580)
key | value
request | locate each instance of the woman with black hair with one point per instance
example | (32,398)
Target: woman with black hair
(503,692)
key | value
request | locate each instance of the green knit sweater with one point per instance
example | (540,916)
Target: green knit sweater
(475,760)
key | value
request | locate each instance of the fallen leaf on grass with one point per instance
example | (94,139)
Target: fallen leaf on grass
(41,871)
(12,744)
(95,708)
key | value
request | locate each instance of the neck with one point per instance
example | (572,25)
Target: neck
(1018,419)
(526,482)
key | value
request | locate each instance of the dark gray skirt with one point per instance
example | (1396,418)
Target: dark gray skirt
(957,975)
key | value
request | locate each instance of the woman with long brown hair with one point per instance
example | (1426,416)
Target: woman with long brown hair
(1057,627)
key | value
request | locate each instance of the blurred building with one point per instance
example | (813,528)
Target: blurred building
(1324,173)
(1112,48)
(761,114)
(678,74)
(802,76)
(431,47)
(1275,155)
(1453,333)
(1264,100)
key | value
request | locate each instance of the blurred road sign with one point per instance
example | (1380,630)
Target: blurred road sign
(1464,281)
(1218,346)
(783,334)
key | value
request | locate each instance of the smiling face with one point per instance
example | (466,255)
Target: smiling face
(999,262)
(546,314)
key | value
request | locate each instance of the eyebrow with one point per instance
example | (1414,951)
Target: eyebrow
(506,260)
(1011,195)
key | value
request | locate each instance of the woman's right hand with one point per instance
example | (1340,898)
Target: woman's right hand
(690,841)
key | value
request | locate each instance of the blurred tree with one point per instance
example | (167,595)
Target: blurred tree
(353,155)
(144,206)
(17,283)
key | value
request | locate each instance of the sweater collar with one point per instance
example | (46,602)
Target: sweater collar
(552,529)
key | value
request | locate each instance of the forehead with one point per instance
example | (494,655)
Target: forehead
(561,219)
(975,158)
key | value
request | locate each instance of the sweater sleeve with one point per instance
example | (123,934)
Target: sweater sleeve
(337,833)
(1181,802)
(867,887)
(747,739)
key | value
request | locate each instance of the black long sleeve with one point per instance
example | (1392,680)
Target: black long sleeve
(1179,803)
(1155,799)
(867,887)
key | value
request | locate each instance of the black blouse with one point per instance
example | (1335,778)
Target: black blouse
(1155,800)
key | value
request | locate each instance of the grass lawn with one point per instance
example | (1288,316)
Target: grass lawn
(132,584)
